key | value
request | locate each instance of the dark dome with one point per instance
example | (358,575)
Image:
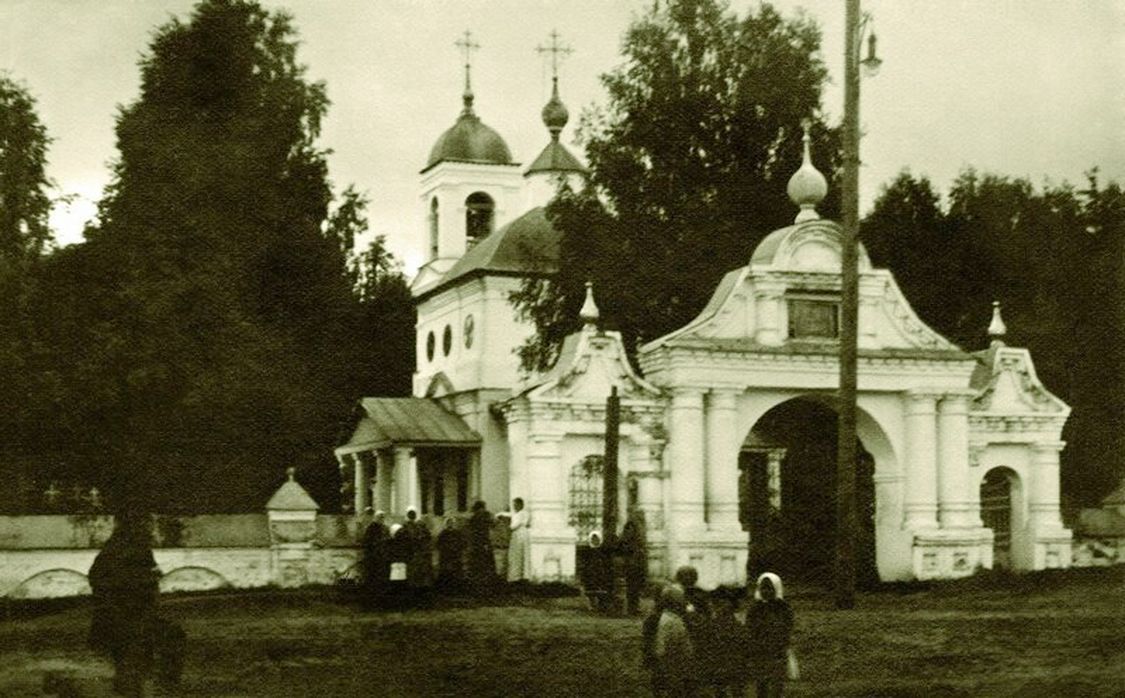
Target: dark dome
(469,140)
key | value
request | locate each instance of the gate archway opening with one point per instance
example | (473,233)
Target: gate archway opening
(999,509)
(787,494)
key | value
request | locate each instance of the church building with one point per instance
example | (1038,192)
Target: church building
(728,434)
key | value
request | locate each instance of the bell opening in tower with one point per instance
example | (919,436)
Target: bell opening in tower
(479,212)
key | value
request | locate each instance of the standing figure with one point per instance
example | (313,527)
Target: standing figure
(451,545)
(672,648)
(419,567)
(697,615)
(648,647)
(519,546)
(124,580)
(634,557)
(376,565)
(481,563)
(726,646)
(769,624)
(596,566)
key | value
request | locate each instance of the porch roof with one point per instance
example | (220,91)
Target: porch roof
(408,421)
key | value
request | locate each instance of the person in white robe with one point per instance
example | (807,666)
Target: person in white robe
(519,546)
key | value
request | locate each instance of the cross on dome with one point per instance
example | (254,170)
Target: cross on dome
(467,46)
(555,114)
(555,49)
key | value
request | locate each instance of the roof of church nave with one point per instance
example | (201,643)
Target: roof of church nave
(527,245)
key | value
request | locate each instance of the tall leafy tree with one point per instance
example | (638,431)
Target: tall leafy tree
(25,235)
(218,348)
(688,165)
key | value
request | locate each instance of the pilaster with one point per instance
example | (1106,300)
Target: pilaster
(686,442)
(722,459)
(921,496)
(955,505)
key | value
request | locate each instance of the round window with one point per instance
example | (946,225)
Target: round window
(430,344)
(468,331)
(447,340)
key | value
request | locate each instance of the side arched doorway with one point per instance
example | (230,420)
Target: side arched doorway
(1000,510)
(787,494)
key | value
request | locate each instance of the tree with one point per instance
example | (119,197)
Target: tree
(218,348)
(688,166)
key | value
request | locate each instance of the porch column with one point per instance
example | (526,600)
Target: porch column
(384,480)
(922,464)
(360,484)
(722,459)
(406,491)
(686,440)
(955,509)
(347,499)
(1044,487)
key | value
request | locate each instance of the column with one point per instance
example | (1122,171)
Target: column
(954,504)
(920,501)
(384,480)
(686,441)
(405,481)
(722,459)
(347,499)
(1044,501)
(360,484)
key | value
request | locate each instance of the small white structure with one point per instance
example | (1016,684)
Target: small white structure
(720,436)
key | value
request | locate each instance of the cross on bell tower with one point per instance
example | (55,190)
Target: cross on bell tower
(467,46)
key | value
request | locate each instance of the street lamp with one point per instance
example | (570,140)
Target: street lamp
(845,571)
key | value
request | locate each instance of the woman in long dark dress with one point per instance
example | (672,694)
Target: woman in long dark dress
(451,545)
(376,560)
(634,558)
(419,568)
(481,563)
(124,580)
(769,625)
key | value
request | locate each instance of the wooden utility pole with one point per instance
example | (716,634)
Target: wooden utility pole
(849,321)
(609,474)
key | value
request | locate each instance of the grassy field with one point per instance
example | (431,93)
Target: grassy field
(1048,634)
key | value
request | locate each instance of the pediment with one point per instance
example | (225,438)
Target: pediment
(1009,385)
(591,364)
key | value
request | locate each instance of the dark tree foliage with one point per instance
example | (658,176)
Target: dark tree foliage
(1053,257)
(24,236)
(688,167)
(214,315)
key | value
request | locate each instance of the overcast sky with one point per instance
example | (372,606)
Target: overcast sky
(1032,88)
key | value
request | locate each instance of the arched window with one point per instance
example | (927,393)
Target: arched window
(433,228)
(585,487)
(479,209)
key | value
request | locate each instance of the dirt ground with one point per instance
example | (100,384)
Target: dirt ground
(1048,634)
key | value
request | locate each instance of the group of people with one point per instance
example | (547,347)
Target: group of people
(695,645)
(464,549)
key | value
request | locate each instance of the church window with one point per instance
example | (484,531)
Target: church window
(467,330)
(813,316)
(446,340)
(431,343)
(585,487)
(433,228)
(479,210)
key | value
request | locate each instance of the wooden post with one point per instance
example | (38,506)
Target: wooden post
(609,470)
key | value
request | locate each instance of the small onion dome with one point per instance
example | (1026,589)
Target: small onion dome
(555,114)
(997,329)
(589,313)
(807,187)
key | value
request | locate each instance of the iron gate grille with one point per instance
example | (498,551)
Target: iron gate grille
(586,495)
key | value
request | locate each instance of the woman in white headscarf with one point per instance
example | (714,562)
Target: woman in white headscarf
(769,625)
(519,545)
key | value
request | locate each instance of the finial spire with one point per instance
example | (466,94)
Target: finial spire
(997,329)
(807,187)
(291,473)
(467,46)
(589,312)
(555,114)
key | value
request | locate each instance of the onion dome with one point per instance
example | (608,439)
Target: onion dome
(807,187)
(469,139)
(555,114)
